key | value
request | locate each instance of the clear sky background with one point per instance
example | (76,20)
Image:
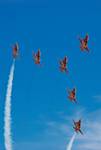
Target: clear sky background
(41,113)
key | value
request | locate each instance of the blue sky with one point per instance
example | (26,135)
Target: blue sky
(41,113)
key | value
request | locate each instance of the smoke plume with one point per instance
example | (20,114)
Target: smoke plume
(69,146)
(7,111)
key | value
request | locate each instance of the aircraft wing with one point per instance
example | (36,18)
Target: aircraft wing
(81,132)
(74,122)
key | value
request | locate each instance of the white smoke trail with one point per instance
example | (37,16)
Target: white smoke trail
(69,146)
(7,113)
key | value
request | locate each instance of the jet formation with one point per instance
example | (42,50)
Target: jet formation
(63,66)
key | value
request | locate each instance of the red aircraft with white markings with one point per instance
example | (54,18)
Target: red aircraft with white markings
(63,64)
(15,50)
(77,126)
(36,57)
(72,95)
(84,43)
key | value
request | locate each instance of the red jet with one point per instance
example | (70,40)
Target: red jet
(72,95)
(77,126)
(84,43)
(63,64)
(36,57)
(15,50)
